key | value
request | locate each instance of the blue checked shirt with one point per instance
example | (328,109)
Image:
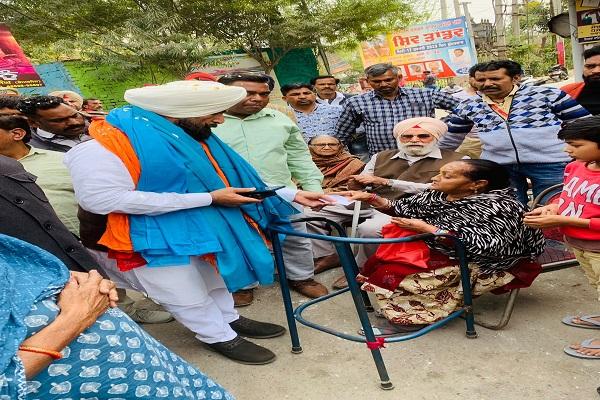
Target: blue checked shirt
(379,115)
(321,121)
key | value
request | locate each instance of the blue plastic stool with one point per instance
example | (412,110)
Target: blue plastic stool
(360,298)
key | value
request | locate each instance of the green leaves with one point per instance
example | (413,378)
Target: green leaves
(176,34)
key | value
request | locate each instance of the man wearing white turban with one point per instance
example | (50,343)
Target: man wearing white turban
(393,174)
(178,226)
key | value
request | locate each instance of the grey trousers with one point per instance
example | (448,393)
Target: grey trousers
(298,253)
(371,228)
(336,213)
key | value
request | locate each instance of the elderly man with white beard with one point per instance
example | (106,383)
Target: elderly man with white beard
(391,174)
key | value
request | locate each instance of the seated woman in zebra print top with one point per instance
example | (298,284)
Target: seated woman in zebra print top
(470,199)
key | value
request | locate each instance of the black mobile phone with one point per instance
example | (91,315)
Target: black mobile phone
(263,193)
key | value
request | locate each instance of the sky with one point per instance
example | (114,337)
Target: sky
(479,9)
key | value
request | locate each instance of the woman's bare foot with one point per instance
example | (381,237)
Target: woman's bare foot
(587,350)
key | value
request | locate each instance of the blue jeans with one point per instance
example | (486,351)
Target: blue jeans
(542,176)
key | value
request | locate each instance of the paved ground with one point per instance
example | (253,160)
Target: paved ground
(524,361)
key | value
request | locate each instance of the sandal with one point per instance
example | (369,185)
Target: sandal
(591,322)
(587,344)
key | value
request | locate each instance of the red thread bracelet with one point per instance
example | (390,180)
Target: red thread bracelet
(51,353)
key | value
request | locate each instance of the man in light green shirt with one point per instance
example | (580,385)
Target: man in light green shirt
(274,146)
(54,179)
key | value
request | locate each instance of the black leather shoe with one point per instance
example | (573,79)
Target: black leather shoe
(243,351)
(254,329)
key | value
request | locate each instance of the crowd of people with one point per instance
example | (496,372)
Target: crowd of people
(172,196)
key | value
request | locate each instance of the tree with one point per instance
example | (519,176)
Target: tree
(535,48)
(174,34)
(122,33)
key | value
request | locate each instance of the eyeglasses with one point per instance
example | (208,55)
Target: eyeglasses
(323,145)
(420,136)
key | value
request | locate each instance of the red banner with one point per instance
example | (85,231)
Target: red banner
(15,69)
(560,52)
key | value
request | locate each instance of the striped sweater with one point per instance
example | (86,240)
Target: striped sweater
(529,133)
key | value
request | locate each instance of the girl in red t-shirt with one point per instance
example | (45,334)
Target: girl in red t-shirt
(577,213)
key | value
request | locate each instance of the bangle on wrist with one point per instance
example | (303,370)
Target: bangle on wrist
(56,355)
(442,232)
(386,206)
(372,198)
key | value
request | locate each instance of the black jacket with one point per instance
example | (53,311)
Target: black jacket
(26,214)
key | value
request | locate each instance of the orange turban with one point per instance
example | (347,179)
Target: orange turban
(200,76)
(433,126)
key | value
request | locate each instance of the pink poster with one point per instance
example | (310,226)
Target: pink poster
(15,69)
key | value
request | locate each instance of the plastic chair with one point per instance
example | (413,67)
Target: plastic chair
(360,298)
(556,256)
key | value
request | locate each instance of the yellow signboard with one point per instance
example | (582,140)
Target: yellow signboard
(440,47)
(588,20)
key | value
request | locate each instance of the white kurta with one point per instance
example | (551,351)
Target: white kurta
(194,293)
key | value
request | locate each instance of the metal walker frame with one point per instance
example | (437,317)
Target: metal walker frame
(360,298)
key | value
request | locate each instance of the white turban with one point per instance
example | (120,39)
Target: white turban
(186,99)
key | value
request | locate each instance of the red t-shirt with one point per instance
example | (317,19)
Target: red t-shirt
(581,198)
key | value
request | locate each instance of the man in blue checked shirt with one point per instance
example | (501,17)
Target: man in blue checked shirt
(517,125)
(381,109)
(314,119)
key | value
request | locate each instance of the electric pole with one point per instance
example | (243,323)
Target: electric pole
(516,27)
(576,47)
(456,9)
(500,34)
(444,6)
(557,41)
(470,28)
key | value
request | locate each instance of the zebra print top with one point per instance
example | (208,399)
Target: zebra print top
(489,224)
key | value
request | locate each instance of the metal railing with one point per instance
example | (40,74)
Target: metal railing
(360,298)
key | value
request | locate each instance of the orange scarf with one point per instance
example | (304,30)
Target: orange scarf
(116,237)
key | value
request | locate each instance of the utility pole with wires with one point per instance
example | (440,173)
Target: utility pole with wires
(516,27)
(470,27)
(444,7)
(557,41)
(457,13)
(500,34)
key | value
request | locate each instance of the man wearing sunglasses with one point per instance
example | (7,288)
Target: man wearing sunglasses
(57,126)
(392,174)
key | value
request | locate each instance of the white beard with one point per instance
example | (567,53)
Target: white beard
(417,150)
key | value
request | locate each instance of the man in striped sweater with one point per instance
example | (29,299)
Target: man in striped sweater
(517,125)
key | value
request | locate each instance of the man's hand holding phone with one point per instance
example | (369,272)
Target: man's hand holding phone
(264,193)
(233,197)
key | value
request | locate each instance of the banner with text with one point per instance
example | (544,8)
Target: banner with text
(588,20)
(441,47)
(15,69)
